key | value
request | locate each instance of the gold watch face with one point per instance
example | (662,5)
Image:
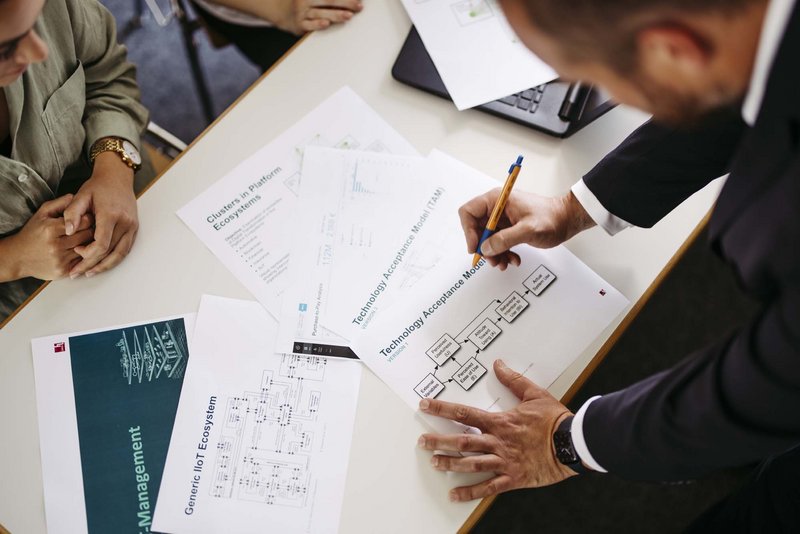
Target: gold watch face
(132,153)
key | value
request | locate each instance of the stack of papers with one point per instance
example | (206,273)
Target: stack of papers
(476,52)
(235,419)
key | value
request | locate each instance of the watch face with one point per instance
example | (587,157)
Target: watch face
(132,153)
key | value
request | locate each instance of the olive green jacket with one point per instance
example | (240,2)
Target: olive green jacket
(84,91)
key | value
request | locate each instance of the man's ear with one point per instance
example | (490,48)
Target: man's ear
(673,53)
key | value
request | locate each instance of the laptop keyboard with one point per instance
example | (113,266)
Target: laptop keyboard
(527,100)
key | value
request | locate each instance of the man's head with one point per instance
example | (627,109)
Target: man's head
(677,59)
(20,46)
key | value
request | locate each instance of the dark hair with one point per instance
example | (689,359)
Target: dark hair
(607,29)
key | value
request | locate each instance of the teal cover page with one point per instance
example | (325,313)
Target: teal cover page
(127,383)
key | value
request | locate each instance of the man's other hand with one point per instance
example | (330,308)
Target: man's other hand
(516,446)
(542,222)
(108,196)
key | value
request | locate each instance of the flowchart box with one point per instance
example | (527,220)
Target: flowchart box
(469,374)
(512,306)
(486,332)
(429,388)
(443,349)
(539,280)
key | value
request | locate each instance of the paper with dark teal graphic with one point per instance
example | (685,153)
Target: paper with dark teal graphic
(127,383)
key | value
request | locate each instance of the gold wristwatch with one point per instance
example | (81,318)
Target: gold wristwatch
(130,156)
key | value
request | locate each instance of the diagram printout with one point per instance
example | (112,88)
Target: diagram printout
(106,401)
(476,52)
(431,235)
(441,341)
(354,207)
(376,225)
(261,441)
(247,217)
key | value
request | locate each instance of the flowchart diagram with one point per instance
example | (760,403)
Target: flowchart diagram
(451,364)
(264,451)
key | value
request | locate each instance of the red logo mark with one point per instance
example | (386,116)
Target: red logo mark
(59,347)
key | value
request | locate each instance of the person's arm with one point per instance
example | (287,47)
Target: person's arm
(297,16)
(538,221)
(113,104)
(733,403)
(648,175)
(113,109)
(657,167)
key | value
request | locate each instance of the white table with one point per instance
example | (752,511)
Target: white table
(390,486)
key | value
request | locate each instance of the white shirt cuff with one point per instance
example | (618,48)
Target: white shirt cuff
(578,440)
(604,218)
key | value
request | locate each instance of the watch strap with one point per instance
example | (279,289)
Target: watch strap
(111,144)
(565,448)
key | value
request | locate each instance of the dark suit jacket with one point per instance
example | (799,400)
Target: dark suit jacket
(737,401)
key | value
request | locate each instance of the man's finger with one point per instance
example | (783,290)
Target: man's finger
(352,5)
(468,464)
(94,253)
(103,235)
(87,221)
(314,25)
(81,237)
(474,215)
(456,412)
(80,206)
(54,208)
(333,15)
(458,442)
(115,257)
(519,385)
(493,486)
(504,239)
(85,264)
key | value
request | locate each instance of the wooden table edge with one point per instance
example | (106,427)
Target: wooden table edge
(487,502)
(177,158)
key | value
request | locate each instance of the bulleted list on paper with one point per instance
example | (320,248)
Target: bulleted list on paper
(248,217)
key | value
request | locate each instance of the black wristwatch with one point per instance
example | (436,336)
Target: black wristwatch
(565,449)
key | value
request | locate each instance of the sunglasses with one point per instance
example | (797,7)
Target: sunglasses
(8,48)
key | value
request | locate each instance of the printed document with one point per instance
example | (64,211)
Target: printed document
(376,224)
(432,236)
(477,54)
(261,440)
(106,401)
(355,207)
(247,218)
(442,340)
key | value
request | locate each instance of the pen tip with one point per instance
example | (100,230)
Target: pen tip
(519,160)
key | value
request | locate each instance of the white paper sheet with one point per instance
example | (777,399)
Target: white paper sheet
(247,218)
(442,340)
(476,52)
(355,205)
(262,440)
(404,224)
(129,369)
(433,235)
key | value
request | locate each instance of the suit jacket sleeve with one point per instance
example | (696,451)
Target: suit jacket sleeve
(658,167)
(730,404)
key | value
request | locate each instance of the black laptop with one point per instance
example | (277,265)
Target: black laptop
(538,107)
